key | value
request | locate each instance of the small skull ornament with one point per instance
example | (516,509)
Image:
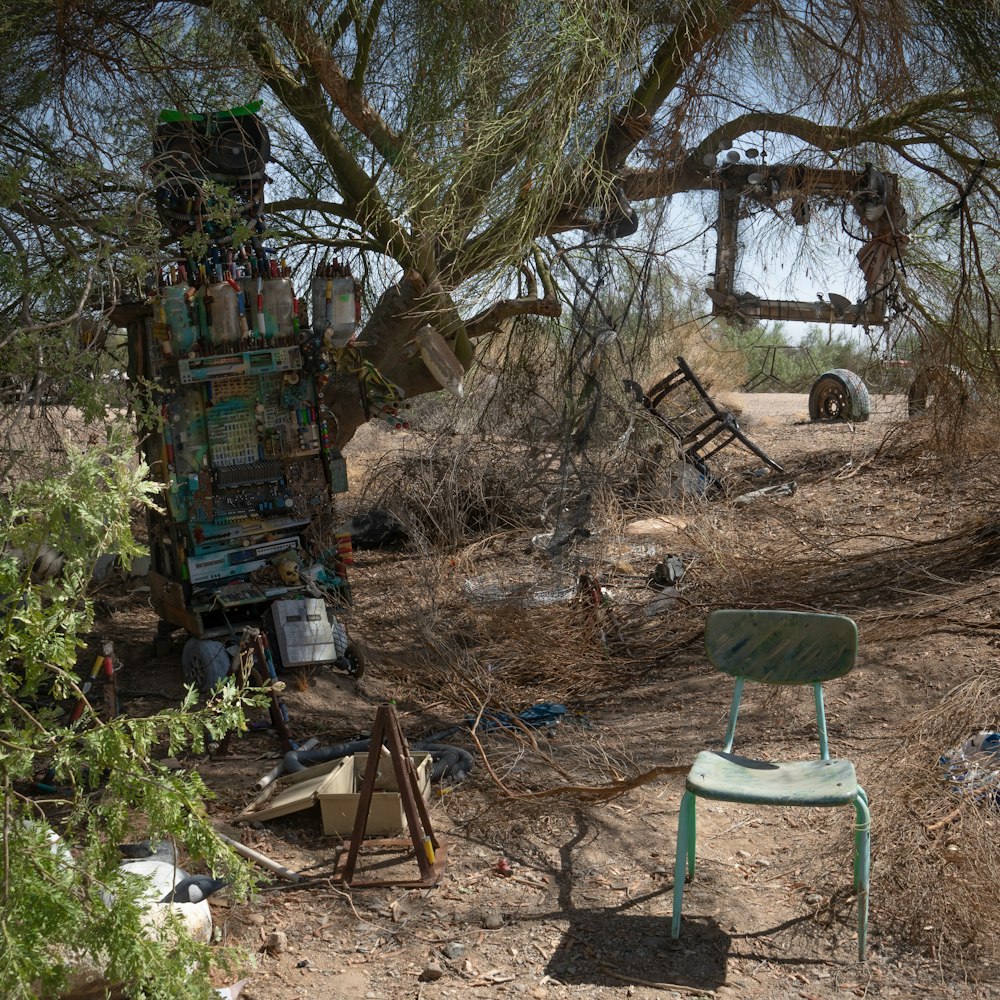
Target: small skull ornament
(288,570)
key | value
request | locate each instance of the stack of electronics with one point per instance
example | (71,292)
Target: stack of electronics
(236,428)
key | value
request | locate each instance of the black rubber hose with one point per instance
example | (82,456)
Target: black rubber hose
(448,761)
(299,760)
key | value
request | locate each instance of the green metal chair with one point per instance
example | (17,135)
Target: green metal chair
(777,647)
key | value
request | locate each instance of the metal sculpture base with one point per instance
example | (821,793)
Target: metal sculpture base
(429,853)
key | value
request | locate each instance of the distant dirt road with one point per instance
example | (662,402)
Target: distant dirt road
(789,407)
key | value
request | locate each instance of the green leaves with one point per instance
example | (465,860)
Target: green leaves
(63,905)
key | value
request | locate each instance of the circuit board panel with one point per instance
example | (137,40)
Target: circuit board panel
(230,376)
(241,447)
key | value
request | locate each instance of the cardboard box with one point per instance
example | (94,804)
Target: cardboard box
(336,786)
(338,797)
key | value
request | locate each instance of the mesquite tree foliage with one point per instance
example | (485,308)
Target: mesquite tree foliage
(459,148)
(66,913)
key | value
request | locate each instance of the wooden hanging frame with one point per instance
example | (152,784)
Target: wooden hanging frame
(884,225)
(429,852)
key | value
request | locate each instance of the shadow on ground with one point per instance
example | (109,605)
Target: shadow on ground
(613,944)
(606,946)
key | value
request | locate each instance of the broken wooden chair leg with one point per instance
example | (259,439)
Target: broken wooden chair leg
(429,852)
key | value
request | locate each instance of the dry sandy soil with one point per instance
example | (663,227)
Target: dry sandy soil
(586,912)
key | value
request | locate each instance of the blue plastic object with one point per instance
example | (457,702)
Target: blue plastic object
(545,713)
(973,768)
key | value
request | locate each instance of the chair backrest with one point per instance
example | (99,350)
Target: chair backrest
(781,647)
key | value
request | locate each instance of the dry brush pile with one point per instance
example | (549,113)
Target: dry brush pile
(938,859)
(481,620)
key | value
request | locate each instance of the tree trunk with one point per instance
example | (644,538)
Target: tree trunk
(389,344)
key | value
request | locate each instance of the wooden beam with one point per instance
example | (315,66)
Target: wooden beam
(870,313)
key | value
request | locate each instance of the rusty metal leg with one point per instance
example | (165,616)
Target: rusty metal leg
(277,709)
(365,798)
(431,862)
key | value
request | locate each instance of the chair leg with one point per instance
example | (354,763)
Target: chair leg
(685,853)
(692,835)
(862,866)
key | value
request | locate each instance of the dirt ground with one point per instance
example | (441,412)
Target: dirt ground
(584,911)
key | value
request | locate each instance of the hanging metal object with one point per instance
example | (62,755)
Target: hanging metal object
(873,195)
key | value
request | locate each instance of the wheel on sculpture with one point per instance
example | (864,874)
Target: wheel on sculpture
(205,663)
(355,661)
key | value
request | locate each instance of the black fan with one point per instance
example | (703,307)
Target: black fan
(239,146)
(179,148)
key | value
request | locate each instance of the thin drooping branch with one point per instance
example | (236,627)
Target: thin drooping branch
(342,90)
(308,204)
(701,23)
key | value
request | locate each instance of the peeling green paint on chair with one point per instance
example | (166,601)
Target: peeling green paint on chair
(777,647)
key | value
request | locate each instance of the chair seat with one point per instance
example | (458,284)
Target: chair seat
(730,778)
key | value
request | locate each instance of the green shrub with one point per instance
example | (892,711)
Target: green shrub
(52,900)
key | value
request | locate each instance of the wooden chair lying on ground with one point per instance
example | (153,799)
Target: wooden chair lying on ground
(777,647)
(714,427)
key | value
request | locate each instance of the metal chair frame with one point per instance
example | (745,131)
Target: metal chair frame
(788,648)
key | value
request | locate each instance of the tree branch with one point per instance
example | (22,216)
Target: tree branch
(365,35)
(690,174)
(363,203)
(702,22)
(340,25)
(832,137)
(313,51)
(526,305)
(489,319)
(826,137)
